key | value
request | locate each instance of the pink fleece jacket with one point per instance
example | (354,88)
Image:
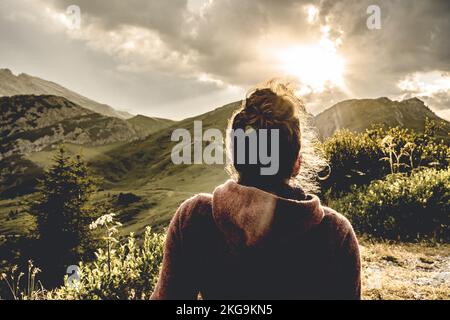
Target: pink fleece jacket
(244,243)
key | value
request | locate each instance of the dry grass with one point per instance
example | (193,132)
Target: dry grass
(405,271)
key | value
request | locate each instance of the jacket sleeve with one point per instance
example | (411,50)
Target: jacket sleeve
(175,282)
(349,277)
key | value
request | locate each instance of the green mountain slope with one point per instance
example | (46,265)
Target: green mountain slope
(145,160)
(31,124)
(145,169)
(147,125)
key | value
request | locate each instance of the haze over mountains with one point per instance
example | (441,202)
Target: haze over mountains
(24,84)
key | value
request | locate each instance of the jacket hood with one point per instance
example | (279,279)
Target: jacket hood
(247,216)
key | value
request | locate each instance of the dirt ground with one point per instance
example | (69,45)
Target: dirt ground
(405,271)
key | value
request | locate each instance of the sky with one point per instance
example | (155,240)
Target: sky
(180,58)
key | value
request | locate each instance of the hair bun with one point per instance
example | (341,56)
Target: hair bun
(267,108)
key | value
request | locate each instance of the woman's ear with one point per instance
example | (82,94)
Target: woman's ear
(297,166)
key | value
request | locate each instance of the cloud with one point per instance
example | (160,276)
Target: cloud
(227,39)
(209,47)
(432,87)
(167,17)
(230,39)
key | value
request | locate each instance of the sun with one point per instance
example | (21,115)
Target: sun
(315,66)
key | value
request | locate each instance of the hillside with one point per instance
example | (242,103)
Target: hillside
(145,159)
(144,167)
(147,125)
(32,123)
(152,155)
(24,84)
(360,114)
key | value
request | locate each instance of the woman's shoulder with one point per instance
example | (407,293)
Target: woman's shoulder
(337,222)
(201,201)
(197,206)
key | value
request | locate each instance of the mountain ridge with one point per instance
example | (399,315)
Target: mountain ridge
(147,125)
(153,153)
(360,114)
(30,123)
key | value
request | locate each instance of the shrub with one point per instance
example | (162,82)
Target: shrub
(121,271)
(353,159)
(358,159)
(402,207)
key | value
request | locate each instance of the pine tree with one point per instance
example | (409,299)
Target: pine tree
(63,214)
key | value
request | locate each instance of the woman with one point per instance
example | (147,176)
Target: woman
(261,236)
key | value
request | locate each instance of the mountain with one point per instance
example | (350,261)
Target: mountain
(149,159)
(152,155)
(360,114)
(32,123)
(31,126)
(147,125)
(23,84)
(144,170)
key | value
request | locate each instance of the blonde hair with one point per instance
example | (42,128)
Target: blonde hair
(275,105)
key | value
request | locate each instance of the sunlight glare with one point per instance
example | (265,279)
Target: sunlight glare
(313,65)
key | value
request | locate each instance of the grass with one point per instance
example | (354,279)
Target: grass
(148,125)
(20,224)
(44,158)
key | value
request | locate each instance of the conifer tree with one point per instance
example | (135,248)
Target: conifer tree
(63,213)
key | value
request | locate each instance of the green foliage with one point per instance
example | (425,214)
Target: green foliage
(121,271)
(18,176)
(358,159)
(126,269)
(353,159)
(402,207)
